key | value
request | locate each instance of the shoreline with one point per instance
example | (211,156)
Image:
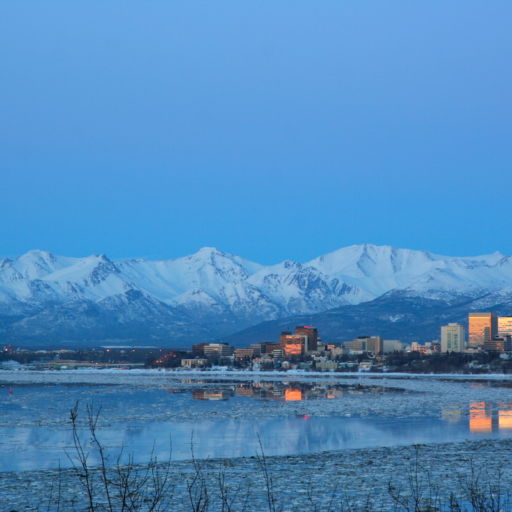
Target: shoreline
(259,373)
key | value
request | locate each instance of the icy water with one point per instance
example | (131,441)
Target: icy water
(230,417)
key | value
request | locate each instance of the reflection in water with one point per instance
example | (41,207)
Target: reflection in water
(482,418)
(505,419)
(291,395)
(281,390)
(452,415)
(45,446)
(201,394)
(216,434)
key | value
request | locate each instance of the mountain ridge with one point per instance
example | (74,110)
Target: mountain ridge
(212,294)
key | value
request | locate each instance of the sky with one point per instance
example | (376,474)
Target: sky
(272,129)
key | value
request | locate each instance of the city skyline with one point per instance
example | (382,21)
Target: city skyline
(273,233)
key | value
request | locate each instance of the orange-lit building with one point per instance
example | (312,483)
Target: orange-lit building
(482,328)
(283,336)
(312,336)
(504,326)
(294,345)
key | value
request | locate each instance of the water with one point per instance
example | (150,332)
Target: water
(225,418)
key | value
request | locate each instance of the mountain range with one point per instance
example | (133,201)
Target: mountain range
(46,299)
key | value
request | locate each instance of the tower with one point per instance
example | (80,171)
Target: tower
(453,338)
(482,328)
(311,333)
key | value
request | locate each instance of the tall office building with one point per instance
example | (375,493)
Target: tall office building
(305,335)
(311,333)
(504,326)
(482,328)
(453,338)
(294,344)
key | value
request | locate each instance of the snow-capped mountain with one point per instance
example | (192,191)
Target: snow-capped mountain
(375,270)
(212,293)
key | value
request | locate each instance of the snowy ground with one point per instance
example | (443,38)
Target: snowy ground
(302,483)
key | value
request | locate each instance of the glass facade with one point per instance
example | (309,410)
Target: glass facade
(504,326)
(481,328)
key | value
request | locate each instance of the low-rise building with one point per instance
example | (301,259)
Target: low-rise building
(194,363)
(217,350)
(495,345)
(244,353)
(326,366)
(389,346)
(371,344)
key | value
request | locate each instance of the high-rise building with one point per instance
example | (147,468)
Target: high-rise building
(453,338)
(304,335)
(504,326)
(294,344)
(311,333)
(482,328)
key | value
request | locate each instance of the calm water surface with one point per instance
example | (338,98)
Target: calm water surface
(29,440)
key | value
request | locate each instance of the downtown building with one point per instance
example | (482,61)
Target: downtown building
(303,341)
(453,338)
(373,344)
(293,344)
(212,351)
(504,326)
(482,328)
(489,332)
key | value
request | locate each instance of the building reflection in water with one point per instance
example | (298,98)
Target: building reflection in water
(284,391)
(201,394)
(482,418)
(452,415)
(291,395)
(505,418)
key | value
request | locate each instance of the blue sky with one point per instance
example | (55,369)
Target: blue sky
(270,129)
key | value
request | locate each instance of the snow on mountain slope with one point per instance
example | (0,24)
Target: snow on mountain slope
(39,276)
(208,270)
(300,288)
(215,288)
(379,269)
